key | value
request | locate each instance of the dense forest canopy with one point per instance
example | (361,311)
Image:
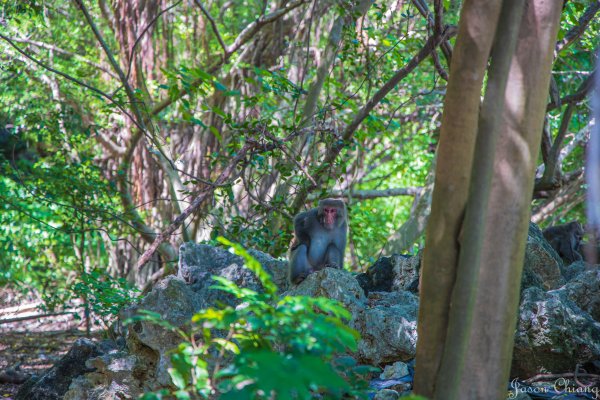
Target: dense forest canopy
(118,117)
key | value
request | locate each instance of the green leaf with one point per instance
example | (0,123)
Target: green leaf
(177,378)
(216,132)
(220,86)
(182,395)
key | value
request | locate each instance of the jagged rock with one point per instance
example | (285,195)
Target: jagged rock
(178,298)
(335,284)
(406,271)
(397,272)
(395,371)
(116,376)
(584,290)
(387,323)
(571,271)
(54,383)
(176,302)
(379,276)
(553,334)
(556,329)
(387,394)
(388,328)
(198,262)
(543,268)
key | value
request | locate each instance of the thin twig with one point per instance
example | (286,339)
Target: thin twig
(195,204)
(575,32)
(213,25)
(69,78)
(330,157)
(65,53)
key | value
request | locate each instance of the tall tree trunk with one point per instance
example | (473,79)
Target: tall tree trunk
(478,273)
(492,336)
(448,384)
(455,154)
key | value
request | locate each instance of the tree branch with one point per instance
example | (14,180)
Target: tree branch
(69,78)
(576,97)
(137,41)
(552,175)
(564,195)
(171,177)
(433,23)
(113,62)
(64,52)
(372,194)
(213,25)
(347,134)
(195,204)
(575,32)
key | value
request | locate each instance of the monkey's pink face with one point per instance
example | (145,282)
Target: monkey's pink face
(329,216)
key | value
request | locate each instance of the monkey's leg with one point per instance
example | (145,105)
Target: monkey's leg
(299,265)
(577,253)
(569,253)
(334,257)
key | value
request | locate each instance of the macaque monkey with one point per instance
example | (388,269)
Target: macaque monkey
(320,239)
(566,239)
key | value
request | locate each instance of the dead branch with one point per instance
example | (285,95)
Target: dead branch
(17,319)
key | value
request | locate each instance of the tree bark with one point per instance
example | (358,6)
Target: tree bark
(448,384)
(401,240)
(455,154)
(492,336)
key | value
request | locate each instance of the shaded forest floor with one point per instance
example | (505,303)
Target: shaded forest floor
(30,346)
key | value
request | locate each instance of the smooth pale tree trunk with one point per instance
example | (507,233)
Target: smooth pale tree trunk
(491,339)
(476,30)
(413,228)
(448,382)
(592,170)
(464,350)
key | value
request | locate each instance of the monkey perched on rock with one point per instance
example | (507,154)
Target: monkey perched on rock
(566,239)
(320,239)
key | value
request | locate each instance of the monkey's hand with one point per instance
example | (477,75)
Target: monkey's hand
(300,278)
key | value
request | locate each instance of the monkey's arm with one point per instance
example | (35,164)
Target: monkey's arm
(334,257)
(334,254)
(301,235)
(300,267)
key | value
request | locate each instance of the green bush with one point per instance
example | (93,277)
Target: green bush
(268,347)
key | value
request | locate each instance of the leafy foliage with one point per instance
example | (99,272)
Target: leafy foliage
(106,295)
